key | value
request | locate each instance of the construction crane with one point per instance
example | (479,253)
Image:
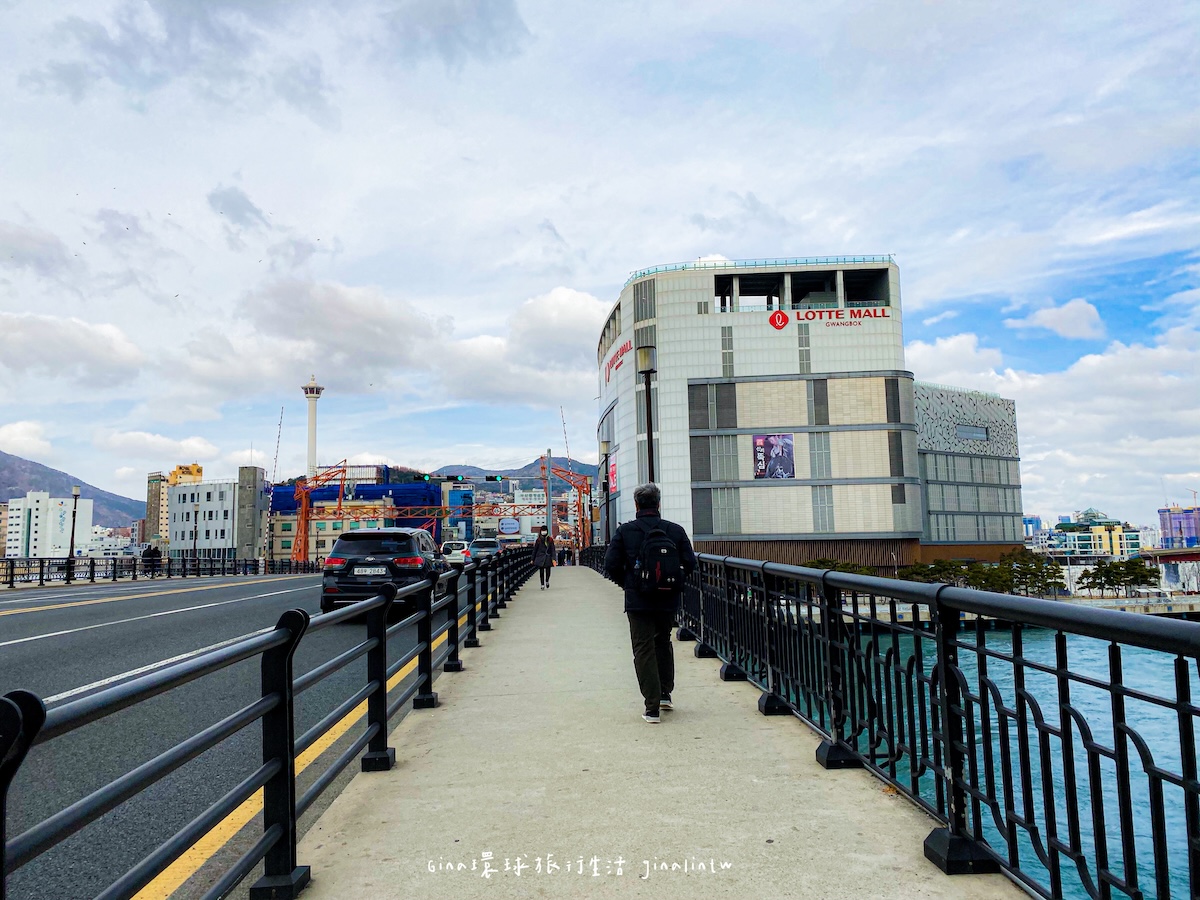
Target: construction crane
(304,514)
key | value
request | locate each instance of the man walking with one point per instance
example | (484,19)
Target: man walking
(651,558)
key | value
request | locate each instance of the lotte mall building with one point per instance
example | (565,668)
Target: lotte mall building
(785,425)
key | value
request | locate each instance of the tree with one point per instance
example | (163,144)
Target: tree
(835,565)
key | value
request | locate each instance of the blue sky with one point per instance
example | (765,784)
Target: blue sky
(431,204)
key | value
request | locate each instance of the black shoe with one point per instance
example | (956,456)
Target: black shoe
(651,717)
(665,702)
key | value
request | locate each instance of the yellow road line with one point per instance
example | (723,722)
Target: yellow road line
(176,874)
(188,590)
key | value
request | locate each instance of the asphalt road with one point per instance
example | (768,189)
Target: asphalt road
(62,643)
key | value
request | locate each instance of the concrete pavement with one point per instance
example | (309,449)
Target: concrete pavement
(538,752)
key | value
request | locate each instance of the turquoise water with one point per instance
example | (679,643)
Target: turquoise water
(1158,727)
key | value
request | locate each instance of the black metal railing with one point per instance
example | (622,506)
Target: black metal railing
(68,570)
(1056,743)
(25,722)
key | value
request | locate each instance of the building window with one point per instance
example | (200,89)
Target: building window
(898,494)
(220,495)
(207,534)
(724,455)
(643,302)
(726,351)
(321,544)
(702,518)
(640,399)
(822,504)
(726,511)
(712,406)
(208,497)
(896,453)
(723,293)
(320,526)
(222,534)
(702,307)
(818,401)
(820,463)
(226,516)
(802,337)
(285,545)
(285,526)
(971,432)
(337,526)
(891,389)
(701,457)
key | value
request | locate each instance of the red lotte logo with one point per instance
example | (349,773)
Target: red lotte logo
(779,320)
(614,361)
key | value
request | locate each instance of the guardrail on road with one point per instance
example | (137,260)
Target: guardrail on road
(25,722)
(1055,742)
(112,568)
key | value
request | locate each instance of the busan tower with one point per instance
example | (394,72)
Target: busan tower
(312,392)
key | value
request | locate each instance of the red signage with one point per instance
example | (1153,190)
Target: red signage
(779,320)
(614,361)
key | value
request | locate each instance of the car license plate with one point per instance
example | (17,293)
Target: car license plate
(371,570)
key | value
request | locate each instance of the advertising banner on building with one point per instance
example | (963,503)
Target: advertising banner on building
(612,476)
(774,456)
(509,526)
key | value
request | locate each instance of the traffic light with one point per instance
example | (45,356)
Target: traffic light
(421,476)
(493,477)
(457,478)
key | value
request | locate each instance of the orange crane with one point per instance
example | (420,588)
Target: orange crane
(583,495)
(304,513)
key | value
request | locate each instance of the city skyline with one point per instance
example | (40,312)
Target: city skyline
(208,205)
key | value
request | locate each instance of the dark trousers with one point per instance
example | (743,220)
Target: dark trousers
(653,658)
(544,571)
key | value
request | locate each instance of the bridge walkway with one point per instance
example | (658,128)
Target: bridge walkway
(538,750)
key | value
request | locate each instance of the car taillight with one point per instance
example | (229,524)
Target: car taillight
(466,553)
(409,562)
(332,561)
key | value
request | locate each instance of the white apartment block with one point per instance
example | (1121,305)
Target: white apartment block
(39,526)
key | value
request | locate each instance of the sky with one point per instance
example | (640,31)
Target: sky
(432,204)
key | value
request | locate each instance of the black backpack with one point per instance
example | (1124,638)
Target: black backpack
(658,567)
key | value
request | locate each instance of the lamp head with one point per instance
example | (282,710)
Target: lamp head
(647,360)
(74,490)
(605,447)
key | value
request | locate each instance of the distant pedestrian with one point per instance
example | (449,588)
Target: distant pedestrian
(651,558)
(543,556)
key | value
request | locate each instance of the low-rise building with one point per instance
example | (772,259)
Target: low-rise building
(223,519)
(1093,536)
(40,526)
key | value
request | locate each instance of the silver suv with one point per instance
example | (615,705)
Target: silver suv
(456,553)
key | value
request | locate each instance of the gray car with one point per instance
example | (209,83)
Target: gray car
(483,548)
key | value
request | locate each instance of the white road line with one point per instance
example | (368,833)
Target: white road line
(104,682)
(167,612)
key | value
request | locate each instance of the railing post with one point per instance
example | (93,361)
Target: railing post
(282,878)
(835,752)
(92,570)
(473,599)
(502,578)
(453,663)
(704,648)
(426,697)
(69,576)
(379,756)
(952,849)
(169,558)
(486,568)
(21,718)
(136,560)
(41,572)
(12,573)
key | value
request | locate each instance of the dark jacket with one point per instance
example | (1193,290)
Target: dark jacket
(543,553)
(623,553)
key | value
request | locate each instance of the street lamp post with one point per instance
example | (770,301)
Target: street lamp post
(605,449)
(895,565)
(647,365)
(71,551)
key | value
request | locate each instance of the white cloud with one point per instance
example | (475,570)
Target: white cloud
(124,473)
(26,439)
(54,346)
(940,317)
(1101,432)
(1074,319)
(144,445)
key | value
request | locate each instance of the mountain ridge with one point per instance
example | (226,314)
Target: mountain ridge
(18,476)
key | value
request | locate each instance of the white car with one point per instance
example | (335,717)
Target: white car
(456,552)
